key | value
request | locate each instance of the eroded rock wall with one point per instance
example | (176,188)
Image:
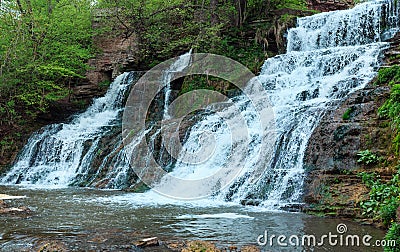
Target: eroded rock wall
(330,5)
(346,130)
(331,156)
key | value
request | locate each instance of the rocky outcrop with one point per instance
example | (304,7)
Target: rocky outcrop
(332,186)
(346,130)
(330,5)
(5,209)
(116,57)
(331,160)
(117,52)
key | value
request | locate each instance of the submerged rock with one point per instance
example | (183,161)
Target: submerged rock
(251,202)
(6,209)
(15,210)
(148,242)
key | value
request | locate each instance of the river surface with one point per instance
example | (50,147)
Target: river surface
(69,213)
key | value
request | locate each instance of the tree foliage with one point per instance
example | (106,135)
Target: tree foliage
(168,28)
(44,47)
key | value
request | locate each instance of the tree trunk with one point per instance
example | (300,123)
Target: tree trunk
(240,6)
(213,9)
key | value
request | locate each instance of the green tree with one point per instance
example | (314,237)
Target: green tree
(44,47)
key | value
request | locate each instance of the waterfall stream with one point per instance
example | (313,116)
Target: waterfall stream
(59,153)
(178,66)
(329,56)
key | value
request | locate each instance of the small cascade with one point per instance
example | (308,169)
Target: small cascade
(60,153)
(367,23)
(178,66)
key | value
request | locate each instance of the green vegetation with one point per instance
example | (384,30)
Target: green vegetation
(393,234)
(291,4)
(391,108)
(368,158)
(388,75)
(359,1)
(199,82)
(347,114)
(44,47)
(384,197)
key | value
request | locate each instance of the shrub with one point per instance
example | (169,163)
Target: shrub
(367,157)
(386,75)
(391,108)
(393,234)
(388,211)
(383,197)
(347,114)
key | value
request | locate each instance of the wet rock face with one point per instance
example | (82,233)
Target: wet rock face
(330,5)
(344,131)
(354,126)
(331,156)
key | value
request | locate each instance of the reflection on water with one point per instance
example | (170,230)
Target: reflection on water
(68,213)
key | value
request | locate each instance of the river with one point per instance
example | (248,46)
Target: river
(69,214)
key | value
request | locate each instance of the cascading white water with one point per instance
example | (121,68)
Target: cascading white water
(64,154)
(329,56)
(178,66)
(58,153)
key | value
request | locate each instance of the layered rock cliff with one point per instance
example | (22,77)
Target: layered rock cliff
(330,5)
(331,159)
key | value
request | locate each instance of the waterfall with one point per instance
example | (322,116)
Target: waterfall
(73,153)
(367,23)
(59,153)
(329,56)
(178,66)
